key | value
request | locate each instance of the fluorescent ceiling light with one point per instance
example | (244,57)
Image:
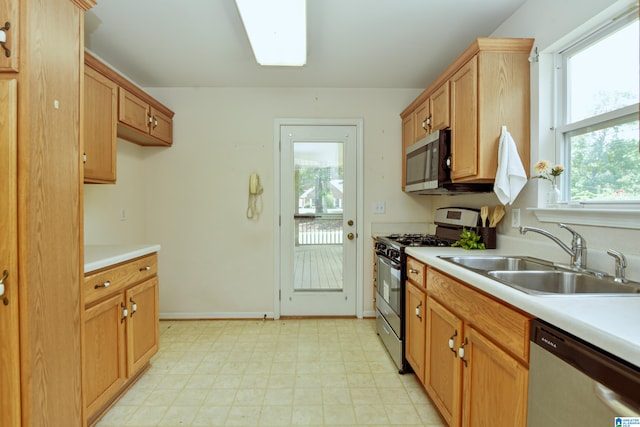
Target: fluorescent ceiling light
(277,30)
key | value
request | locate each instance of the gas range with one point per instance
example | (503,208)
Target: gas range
(391,275)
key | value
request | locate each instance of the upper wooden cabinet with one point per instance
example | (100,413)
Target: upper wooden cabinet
(100,117)
(141,119)
(485,88)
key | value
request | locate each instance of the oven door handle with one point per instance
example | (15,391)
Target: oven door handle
(390,263)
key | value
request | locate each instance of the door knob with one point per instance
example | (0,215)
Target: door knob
(350,236)
(350,222)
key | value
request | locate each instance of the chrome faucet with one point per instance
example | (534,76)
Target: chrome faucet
(578,250)
(621,265)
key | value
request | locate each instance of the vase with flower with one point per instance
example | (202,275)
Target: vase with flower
(550,173)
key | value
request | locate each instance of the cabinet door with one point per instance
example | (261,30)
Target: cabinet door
(422,121)
(133,111)
(495,385)
(104,356)
(9,14)
(439,107)
(161,126)
(100,120)
(464,121)
(442,377)
(142,325)
(9,316)
(408,138)
(415,328)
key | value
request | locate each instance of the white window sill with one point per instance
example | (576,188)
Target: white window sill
(616,218)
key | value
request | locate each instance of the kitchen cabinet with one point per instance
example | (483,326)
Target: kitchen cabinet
(408,138)
(490,90)
(138,119)
(477,355)
(9,314)
(41,215)
(416,304)
(141,119)
(100,119)
(120,328)
(486,87)
(415,320)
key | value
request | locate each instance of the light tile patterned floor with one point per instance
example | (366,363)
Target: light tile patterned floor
(308,372)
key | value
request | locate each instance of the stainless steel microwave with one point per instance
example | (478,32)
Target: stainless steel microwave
(428,168)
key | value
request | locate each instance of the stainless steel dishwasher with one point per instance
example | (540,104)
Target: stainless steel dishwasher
(573,383)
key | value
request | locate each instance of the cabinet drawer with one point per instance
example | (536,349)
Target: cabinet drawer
(105,282)
(416,272)
(504,325)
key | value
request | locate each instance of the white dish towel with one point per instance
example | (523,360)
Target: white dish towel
(510,177)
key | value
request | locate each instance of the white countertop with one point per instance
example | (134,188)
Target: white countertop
(101,256)
(609,322)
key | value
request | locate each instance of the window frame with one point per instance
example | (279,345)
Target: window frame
(564,130)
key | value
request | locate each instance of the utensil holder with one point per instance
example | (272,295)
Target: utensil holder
(488,235)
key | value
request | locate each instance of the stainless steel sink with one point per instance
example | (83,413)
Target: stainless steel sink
(502,263)
(562,282)
(540,277)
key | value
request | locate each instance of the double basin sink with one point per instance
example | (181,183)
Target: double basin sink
(540,277)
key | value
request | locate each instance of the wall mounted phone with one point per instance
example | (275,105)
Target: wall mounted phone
(255,190)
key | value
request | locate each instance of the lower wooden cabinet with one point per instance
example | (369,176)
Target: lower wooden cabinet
(121,332)
(416,305)
(443,369)
(476,353)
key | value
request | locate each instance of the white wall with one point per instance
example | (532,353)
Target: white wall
(214,261)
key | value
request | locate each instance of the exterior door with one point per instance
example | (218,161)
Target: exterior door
(318,220)
(9,321)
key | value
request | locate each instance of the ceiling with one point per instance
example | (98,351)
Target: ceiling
(350,43)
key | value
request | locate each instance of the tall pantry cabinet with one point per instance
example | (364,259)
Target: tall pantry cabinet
(41,261)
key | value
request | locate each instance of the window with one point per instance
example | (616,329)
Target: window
(598,132)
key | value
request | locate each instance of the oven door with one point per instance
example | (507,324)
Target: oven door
(389,301)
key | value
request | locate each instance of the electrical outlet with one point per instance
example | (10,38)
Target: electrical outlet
(515,218)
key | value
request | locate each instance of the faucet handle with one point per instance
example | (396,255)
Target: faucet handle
(621,264)
(577,237)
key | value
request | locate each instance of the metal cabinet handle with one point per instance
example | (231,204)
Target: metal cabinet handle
(146,268)
(134,306)
(452,342)
(125,312)
(412,271)
(418,311)
(461,351)
(103,285)
(155,122)
(3,38)
(5,274)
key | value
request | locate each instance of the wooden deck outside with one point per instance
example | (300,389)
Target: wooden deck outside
(318,267)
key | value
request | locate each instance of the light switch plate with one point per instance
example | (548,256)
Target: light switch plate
(515,218)
(379,207)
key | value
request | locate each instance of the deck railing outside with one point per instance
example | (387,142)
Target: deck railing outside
(323,229)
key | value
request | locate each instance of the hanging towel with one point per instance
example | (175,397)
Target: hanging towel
(510,177)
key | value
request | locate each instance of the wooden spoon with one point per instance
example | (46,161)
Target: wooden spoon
(484,214)
(496,216)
